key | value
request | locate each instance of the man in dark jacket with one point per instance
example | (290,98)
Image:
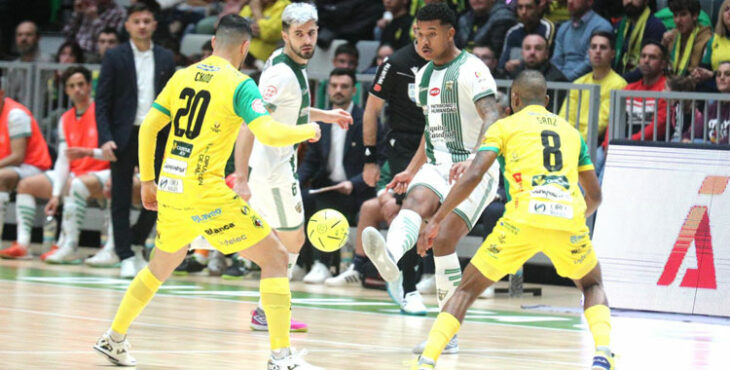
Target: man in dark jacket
(487,23)
(536,55)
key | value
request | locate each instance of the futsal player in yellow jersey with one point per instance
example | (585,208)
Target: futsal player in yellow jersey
(543,160)
(206,104)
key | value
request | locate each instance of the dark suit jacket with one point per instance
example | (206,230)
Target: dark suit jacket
(314,167)
(116,91)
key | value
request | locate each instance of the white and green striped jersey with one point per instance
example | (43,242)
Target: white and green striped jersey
(285,90)
(447,94)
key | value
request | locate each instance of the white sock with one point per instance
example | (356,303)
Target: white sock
(448,277)
(25,213)
(109,246)
(74,211)
(403,233)
(292,262)
(4,199)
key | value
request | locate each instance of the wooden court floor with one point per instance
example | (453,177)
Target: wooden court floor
(50,316)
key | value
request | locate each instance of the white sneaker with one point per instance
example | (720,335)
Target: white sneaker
(298,273)
(139,261)
(375,248)
(451,348)
(347,277)
(395,289)
(291,361)
(128,268)
(427,285)
(488,293)
(413,304)
(103,258)
(116,352)
(318,274)
(64,255)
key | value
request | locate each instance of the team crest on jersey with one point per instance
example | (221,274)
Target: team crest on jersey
(216,127)
(449,85)
(258,106)
(269,92)
(208,68)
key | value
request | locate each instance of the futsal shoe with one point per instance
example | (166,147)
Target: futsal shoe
(49,252)
(15,251)
(318,274)
(236,270)
(413,305)
(258,322)
(451,348)
(423,364)
(349,277)
(375,248)
(427,285)
(603,359)
(290,360)
(298,273)
(116,352)
(64,256)
(103,258)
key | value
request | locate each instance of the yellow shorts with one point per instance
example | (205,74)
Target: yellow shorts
(511,244)
(215,212)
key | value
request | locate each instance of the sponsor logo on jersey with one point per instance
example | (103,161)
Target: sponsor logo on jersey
(258,106)
(550,179)
(170,185)
(216,127)
(257,222)
(478,74)
(175,167)
(377,88)
(269,92)
(245,210)
(181,149)
(217,230)
(551,209)
(202,166)
(207,67)
(205,217)
(442,108)
(551,193)
(235,240)
(434,92)
(383,73)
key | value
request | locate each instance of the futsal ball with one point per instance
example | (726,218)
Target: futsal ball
(327,230)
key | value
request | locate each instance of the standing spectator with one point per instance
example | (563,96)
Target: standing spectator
(572,40)
(528,13)
(265,16)
(346,56)
(336,160)
(108,39)
(486,23)
(601,52)
(351,20)
(718,112)
(131,76)
(636,26)
(384,51)
(687,42)
(717,49)
(23,153)
(395,26)
(89,18)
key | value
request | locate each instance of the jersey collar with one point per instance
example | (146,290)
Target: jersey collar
(461,55)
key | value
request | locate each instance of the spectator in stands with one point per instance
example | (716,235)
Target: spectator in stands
(26,42)
(667,17)
(76,175)
(121,105)
(528,13)
(486,23)
(681,110)
(335,161)
(489,58)
(265,16)
(636,26)
(69,53)
(536,55)
(351,20)
(108,39)
(384,51)
(346,56)
(687,42)
(23,153)
(601,52)
(572,40)
(653,64)
(89,18)
(718,112)
(395,26)
(717,49)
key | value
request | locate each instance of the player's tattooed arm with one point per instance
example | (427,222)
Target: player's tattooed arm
(489,112)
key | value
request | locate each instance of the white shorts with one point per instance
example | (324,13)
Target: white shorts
(436,178)
(26,170)
(280,205)
(102,176)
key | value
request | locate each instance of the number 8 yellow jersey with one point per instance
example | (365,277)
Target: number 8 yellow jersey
(540,155)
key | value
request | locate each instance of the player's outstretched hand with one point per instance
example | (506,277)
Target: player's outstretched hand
(339,116)
(458,169)
(241,188)
(428,235)
(400,182)
(318,133)
(52,206)
(149,195)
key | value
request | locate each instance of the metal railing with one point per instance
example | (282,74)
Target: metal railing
(17,81)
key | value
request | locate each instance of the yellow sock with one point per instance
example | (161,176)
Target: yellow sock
(599,322)
(276,302)
(139,293)
(443,330)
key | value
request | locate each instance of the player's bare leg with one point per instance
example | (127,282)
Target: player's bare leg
(598,316)
(8,181)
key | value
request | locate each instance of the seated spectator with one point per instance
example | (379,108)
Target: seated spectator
(717,49)
(383,52)
(528,13)
(681,111)
(718,112)
(687,42)
(26,42)
(75,175)
(636,26)
(666,16)
(89,18)
(487,56)
(556,10)
(346,56)
(395,25)
(23,153)
(54,97)
(265,16)
(351,20)
(336,161)
(572,40)
(601,52)
(486,23)
(536,55)
(108,39)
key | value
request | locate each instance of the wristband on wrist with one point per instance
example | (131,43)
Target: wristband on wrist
(370,154)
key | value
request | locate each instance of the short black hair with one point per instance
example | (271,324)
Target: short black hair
(70,71)
(437,11)
(345,72)
(693,6)
(110,30)
(606,34)
(665,52)
(349,49)
(75,50)
(143,6)
(233,24)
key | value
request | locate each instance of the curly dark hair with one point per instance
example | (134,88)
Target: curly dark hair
(693,6)
(438,11)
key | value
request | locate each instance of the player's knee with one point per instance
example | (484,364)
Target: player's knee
(79,188)
(370,207)
(24,187)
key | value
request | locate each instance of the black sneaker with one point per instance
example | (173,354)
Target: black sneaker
(236,270)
